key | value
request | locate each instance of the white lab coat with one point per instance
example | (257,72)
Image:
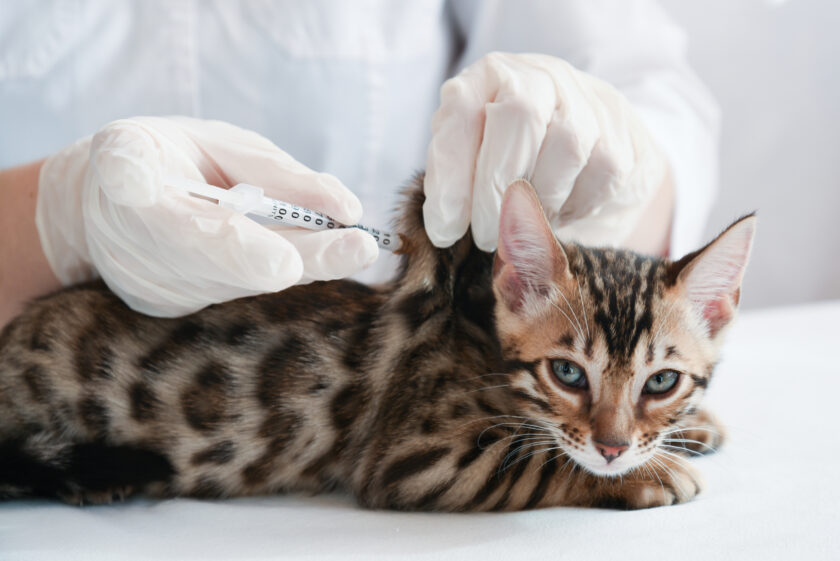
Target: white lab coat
(345,87)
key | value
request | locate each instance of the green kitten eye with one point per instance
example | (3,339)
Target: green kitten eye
(661,382)
(569,373)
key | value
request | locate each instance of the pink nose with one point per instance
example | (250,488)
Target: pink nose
(611,450)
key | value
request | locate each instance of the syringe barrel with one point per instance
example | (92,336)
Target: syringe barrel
(292,215)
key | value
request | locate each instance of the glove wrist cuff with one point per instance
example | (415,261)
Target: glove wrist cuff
(58,214)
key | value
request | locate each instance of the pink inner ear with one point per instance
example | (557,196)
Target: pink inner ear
(511,287)
(718,313)
(527,252)
(713,278)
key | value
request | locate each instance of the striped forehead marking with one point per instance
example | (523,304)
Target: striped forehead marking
(622,286)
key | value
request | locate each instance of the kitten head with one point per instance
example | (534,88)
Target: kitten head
(622,345)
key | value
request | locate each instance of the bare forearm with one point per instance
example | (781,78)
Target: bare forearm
(24,271)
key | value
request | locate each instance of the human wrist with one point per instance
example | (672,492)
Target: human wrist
(25,272)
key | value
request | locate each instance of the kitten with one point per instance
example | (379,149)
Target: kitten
(471,382)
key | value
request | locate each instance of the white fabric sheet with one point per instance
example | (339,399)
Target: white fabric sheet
(772,493)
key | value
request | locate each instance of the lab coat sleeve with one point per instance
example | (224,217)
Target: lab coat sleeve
(636,47)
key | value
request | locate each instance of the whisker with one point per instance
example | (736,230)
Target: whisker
(491,417)
(577,321)
(526,437)
(682,449)
(547,430)
(525,446)
(504,464)
(515,434)
(552,458)
(648,472)
(688,441)
(531,445)
(532,453)
(518,425)
(674,456)
(583,309)
(485,375)
(568,318)
(653,471)
(488,388)
(670,471)
(685,429)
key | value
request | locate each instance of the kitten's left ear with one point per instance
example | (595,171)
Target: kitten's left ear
(711,276)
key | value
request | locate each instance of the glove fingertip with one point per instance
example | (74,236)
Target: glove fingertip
(440,241)
(368,252)
(285,267)
(486,246)
(484,239)
(269,262)
(356,248)
(442,230)
(334,254)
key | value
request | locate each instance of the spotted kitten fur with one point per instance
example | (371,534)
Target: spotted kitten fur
(472,382)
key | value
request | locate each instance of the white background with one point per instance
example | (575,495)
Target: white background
(774,67)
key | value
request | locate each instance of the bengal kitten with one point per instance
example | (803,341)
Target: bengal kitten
(530,379)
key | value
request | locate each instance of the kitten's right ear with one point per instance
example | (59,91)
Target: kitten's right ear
(529,257)
(711,277)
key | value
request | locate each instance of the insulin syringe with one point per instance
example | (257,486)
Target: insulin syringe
(250,199)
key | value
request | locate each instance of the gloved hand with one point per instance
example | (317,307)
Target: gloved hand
(591,160)
(103,209)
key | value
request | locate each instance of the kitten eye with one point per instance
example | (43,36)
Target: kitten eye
(661,382)
(569,373)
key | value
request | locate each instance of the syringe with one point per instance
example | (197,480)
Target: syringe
(250,199)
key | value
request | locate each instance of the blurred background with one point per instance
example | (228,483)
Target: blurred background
(774,68)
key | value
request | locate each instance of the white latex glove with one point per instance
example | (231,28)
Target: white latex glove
(575,137)
(103,209)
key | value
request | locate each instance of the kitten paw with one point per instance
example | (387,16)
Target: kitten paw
(680,486)
(85,497)
(674,484)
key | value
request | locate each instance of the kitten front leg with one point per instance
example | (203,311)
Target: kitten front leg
(501,473)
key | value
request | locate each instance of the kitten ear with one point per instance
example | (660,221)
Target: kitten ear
(711,276)
(529,257)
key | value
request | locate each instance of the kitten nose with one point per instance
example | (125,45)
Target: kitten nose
(611,450)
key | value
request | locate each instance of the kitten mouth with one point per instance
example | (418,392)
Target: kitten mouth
(613,469)
(601,468)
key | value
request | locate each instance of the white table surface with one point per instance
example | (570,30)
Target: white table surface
(772,493)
